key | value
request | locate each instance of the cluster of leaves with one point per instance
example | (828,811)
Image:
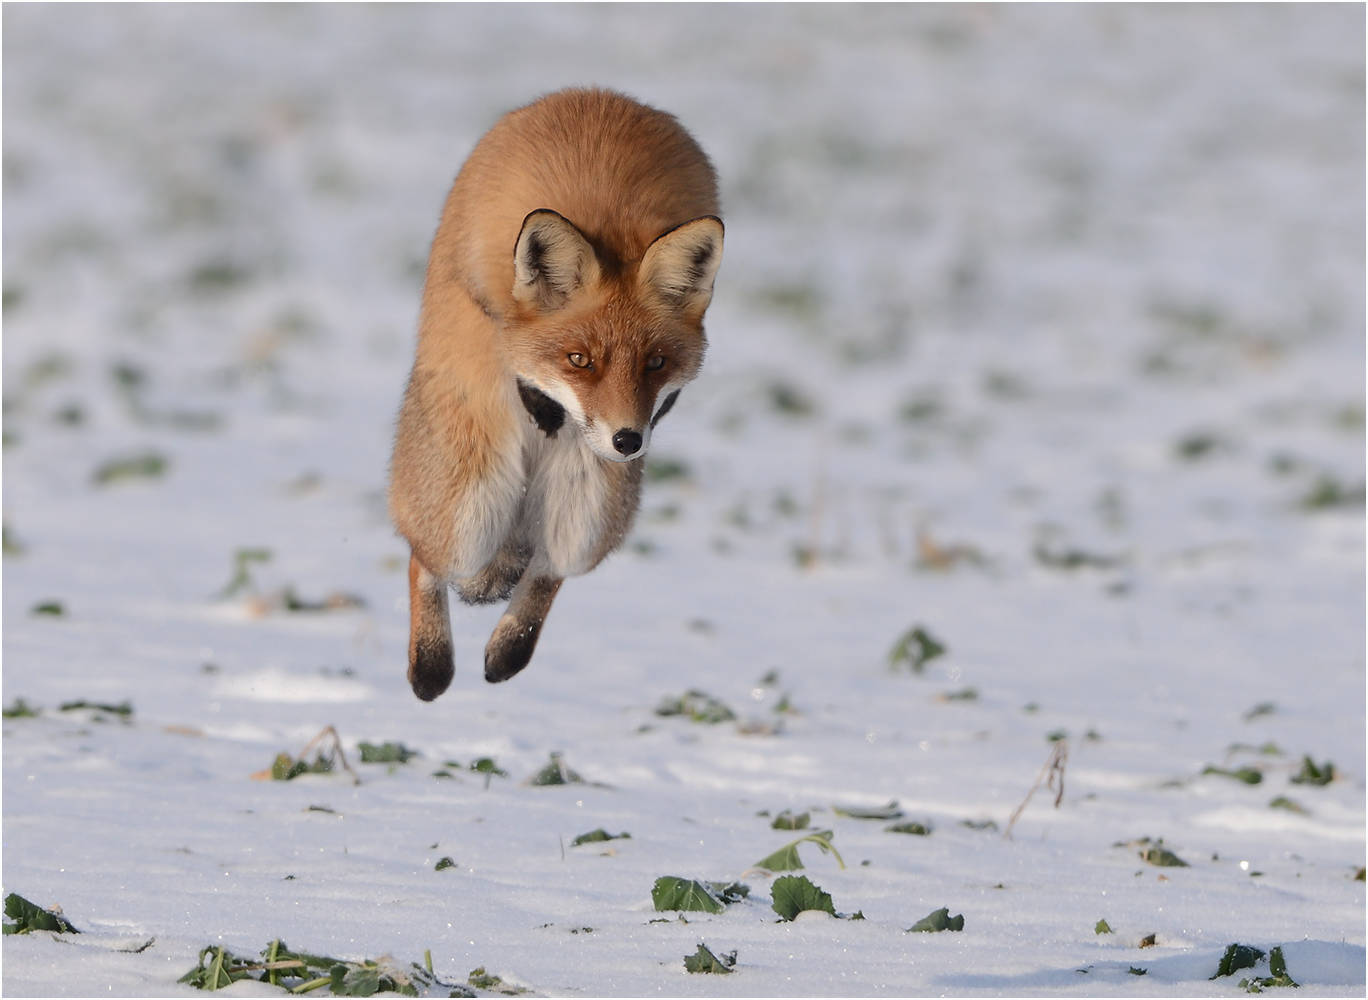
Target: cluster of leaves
(1330,492)
(938,920)
(556,772)
(144,465)
(598,836)
(786,859)
(301,972)
(286,768)
(386,753)
(671,892)
(792,894)
(890,811)
(28,917)
(1310,774)
(915,649)
(698,706)
(20,709)
(1069,559)
(704,960)
(123,709)
(328,754)
(1277,974)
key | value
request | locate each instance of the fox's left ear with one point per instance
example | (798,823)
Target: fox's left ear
(681,264)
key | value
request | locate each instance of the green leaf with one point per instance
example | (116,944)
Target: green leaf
(1247,774)
(1283,802)
(787,821)
(482,980)
(148,465)
(1158,854)
(1310,774)
(30,917)
(242,574)
(554,773)
(939,920)
(786,859)
(1261,709)
(1103,928)
(916,648)
(1237,957)
(963,694)
(673,893)
(53,609)
(19,709)
(485,766)
(792,894)
(443,864)
(386,753)
(1136,972)
(890,811)
(918,829)
(598,836)
(704,960)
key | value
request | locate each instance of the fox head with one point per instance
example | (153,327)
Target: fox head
(610,342)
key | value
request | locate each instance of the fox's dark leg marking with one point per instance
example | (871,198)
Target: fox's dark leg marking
(665,408)
(430,661)
(515,637)
(548,414)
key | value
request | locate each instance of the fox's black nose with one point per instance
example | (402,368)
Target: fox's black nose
(627,442)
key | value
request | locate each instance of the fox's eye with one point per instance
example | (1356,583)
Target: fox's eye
(656,363)
(578,360)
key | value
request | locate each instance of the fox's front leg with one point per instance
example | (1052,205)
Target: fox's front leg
(515,637)
(430,660)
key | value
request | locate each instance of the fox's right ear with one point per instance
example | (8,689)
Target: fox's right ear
(682,263)
(552,260)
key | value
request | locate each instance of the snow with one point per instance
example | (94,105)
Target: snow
(1113,255)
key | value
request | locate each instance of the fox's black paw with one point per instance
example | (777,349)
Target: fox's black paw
(431,670)
(510,648)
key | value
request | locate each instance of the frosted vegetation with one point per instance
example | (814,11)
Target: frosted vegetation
(1029,454)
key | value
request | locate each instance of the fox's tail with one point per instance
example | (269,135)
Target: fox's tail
(430,661)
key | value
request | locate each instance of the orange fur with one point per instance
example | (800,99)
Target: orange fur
(575,257)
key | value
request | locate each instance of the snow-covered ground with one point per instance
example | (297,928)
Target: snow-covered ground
(1039,327)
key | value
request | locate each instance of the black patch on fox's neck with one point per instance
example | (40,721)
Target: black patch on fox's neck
(664,408)
(548,414)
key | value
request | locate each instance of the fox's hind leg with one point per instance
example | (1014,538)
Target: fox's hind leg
(496,581)
(430,660)
(515,637)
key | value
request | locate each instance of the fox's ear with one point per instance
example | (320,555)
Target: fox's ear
(681,264)
(552,260)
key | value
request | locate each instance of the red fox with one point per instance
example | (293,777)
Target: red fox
(562,314)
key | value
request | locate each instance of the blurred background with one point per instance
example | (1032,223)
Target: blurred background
(1017,289)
